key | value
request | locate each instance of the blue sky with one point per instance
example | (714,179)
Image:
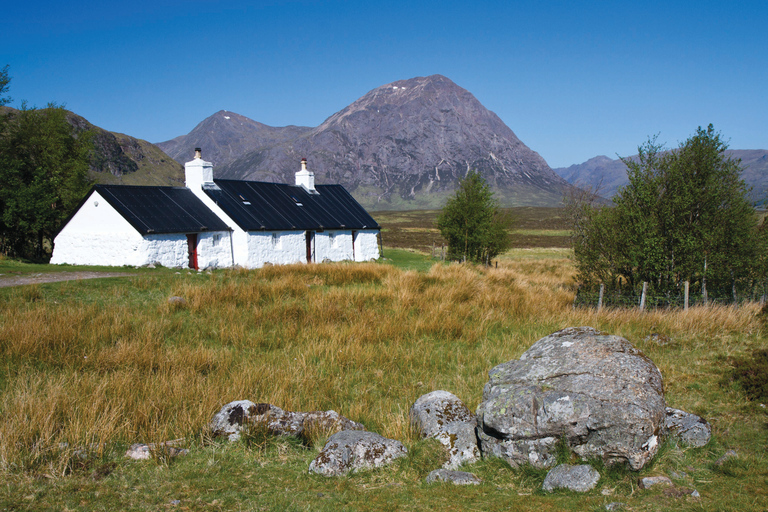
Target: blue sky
(572,79)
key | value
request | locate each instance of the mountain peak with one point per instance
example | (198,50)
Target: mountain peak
(409,142)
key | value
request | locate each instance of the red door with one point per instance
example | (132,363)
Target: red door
(310,246)
(192,250)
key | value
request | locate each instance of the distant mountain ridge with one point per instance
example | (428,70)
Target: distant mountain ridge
(403,145)
(225,136)
(605,175)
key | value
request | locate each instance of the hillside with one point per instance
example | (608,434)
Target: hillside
(121,159)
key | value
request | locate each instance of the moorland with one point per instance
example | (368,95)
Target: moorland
(89,367)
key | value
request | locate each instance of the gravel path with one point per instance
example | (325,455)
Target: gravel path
(13,280)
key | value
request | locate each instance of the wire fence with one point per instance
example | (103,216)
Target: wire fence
(646,297)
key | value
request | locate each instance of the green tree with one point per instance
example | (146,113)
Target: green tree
(472,223)
(44,175)
(683,216)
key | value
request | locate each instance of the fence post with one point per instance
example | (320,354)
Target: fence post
(642,297)
(600,298)
(687,284)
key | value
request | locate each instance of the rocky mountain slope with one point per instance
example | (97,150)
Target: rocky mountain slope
(606,175)
(403,145)
(225,136)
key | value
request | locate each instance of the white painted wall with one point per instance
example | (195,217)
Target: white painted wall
(367,245)
(97,235)
(214,249)
(333,246)
(279,248)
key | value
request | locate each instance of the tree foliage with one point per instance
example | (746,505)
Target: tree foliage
(683,216)
(43,171)
(472,223)
(4,81)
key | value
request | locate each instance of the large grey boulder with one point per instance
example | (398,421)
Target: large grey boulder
(688,428)
(351,450)
(240,414)
(444,416)
(581,478)
(600,394)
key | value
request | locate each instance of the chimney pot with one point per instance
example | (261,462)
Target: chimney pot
(198,153)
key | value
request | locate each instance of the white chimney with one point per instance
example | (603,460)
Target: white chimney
(198,171)
(306,178)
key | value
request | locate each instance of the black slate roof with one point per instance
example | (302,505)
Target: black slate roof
(155,210)
(257,205)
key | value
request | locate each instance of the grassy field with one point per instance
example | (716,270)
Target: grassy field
(416,230)
(89,367)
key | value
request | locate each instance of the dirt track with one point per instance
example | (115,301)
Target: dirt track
(13,280)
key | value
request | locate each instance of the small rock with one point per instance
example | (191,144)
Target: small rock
(678,476)
(444,416)
(659,339)
(695,494)
(730,454)
(235,416)
(677,492)
(581,478)
(454,477)
(140,451)
(649,481)
(180,301)
(175,502)
(352,450)
(460,440)
(431,412)
(688,428)
(616,505)
(606,491)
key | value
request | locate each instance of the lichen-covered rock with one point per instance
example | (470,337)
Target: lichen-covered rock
(230,419)
(431,412)
(169,449)
(580,478)
(237,415)
(351,450)
(460,440)
(600,394)
(688,428)
(444,416)
(454,477)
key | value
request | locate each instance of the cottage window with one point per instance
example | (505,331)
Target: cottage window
(216,239)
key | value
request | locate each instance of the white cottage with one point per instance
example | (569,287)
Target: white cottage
(279,223)
(218,223)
